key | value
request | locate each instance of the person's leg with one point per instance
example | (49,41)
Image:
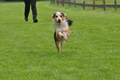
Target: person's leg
(34,10)
(27,9)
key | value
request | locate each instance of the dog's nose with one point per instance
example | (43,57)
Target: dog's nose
(59,20)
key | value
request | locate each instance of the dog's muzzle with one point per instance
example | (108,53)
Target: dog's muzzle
(58,21)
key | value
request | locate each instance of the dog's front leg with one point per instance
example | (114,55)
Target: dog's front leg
(66,34)
(59,35)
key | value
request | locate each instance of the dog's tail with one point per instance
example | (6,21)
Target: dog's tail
(69,22)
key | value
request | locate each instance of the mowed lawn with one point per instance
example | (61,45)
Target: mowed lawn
(28,52)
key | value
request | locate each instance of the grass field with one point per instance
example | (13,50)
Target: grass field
(28,52)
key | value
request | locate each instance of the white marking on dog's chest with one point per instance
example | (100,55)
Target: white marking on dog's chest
(62,27)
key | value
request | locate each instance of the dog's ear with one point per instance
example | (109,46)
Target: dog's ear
(63,14)
(53,14)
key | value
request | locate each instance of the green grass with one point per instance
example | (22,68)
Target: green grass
(28,52)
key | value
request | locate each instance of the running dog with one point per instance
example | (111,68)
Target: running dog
(62,28)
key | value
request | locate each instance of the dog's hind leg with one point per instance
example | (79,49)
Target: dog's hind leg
(58,45)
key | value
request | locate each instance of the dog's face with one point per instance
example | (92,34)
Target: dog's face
(59,17)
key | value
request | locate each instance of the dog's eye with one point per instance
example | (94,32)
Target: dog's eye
(56,16)
(60,16)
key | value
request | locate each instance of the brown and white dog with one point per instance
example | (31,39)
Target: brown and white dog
(62,28)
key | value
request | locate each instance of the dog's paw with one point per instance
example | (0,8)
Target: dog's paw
(61,34)
(65,37)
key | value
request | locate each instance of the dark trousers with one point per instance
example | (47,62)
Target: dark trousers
(33,8)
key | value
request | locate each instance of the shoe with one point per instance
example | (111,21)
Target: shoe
(35,21)
(26,19)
